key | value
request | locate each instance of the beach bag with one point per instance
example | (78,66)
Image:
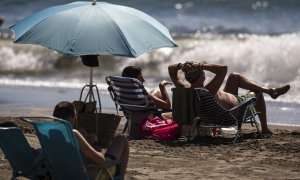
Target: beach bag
(162,129)
(103,125)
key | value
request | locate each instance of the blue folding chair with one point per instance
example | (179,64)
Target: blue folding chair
(62,150)
(24,160)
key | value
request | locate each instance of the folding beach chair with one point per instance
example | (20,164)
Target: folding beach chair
(131,96)
(62,150)
(24,160)
(199,105)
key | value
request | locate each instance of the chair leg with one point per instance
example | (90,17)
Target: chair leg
(237,135)
(241,120)
(196,126)
(253,120)
(256,124)
(125,128)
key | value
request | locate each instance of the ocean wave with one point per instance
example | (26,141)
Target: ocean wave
(269,60)
(49,83)
(263,57)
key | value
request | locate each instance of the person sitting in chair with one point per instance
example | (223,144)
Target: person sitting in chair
(228,97)
(117,150)
(159,97)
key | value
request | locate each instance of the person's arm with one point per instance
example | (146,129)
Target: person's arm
(177,80)
(164,93)
(87,149)
(220,70)
(161,99)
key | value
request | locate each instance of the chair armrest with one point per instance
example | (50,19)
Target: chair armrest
(104,165)
(243,104)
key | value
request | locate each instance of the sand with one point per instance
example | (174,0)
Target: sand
(274,157)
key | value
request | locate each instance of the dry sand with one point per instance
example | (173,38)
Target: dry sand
(275,157)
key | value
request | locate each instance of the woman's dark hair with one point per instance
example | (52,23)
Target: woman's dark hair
(64,110)
(131,71)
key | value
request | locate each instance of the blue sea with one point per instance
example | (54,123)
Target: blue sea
(260,39)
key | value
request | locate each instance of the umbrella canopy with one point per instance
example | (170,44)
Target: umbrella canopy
(86,28)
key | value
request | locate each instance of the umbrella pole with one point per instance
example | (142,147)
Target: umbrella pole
(91,95)
(91,84)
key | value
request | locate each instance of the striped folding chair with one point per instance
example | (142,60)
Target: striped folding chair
(199,105)
(130,96)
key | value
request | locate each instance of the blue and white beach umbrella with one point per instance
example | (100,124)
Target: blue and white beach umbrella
(90,28)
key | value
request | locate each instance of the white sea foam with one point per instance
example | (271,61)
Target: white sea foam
(53,83)
(269,60)
(265,58)
(25,58)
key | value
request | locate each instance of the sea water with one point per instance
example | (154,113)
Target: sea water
(260,39)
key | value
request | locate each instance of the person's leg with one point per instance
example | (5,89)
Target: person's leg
(120,149)
(236,81)
(261,108)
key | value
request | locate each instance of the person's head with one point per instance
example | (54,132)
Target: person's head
(196,78)
(133,72)
(193,75)
(1,20)
(65,110)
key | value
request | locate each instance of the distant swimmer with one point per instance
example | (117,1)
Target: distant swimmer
(1,20)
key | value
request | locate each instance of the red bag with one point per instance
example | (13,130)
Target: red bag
(163,129)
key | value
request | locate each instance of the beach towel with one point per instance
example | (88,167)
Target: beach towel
(184,107)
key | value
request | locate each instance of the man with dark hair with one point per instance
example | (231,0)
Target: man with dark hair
(1,20)
(65,110)
(117,150)
(228,97)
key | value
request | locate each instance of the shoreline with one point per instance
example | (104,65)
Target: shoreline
(20,100)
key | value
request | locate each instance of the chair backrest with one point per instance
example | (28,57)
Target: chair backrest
(61,149)
(129,94)
(213,111)
(199,102)
(17,151)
